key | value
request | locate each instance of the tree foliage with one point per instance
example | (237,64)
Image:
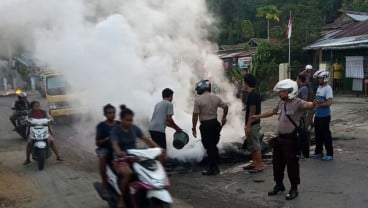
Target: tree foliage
(238,20)
(355,5)
(265,64)
(270,12)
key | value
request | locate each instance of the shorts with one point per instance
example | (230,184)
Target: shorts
(253,143)
(117,165)
(103,152)
(159,138)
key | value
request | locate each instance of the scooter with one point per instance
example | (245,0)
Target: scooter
(39,133)
(148,189)
(21,123)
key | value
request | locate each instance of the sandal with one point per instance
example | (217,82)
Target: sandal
(26,162)
(60,159)
(248,167)
(256,170)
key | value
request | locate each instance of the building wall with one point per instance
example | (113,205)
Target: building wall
(329,57)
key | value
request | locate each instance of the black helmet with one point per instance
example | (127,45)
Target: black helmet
(203,86)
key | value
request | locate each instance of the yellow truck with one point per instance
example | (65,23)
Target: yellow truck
(61,100)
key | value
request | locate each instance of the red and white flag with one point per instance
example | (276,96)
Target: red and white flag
(288,31)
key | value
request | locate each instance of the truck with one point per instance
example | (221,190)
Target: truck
(62,101)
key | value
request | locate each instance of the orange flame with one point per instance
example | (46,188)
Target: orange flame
(18,91)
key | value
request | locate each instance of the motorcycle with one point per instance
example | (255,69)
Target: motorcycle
(21,123)
(39,134)
(148,189)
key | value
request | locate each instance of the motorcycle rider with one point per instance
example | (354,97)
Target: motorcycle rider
(19,105)
(103,143)
(37,113)
(123,137)
(205,109)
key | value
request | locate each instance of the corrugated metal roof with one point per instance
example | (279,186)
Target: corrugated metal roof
(236,54)
(352,34)
(357,16)
(353,29)
(341,43)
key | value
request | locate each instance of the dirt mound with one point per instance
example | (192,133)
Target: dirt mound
(14,190)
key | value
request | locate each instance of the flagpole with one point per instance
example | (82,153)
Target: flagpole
(289,60)
(289,50)
(289,41)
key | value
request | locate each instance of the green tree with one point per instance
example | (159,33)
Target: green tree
(247,29)
(355,5)
(265,64)
(270,12)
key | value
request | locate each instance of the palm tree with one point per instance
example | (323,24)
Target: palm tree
(270,12)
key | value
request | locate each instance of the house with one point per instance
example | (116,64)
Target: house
(30,70)
(240,54)
(346,40)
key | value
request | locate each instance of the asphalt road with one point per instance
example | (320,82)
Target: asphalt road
(338,183)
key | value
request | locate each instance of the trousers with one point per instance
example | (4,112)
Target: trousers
(210,133)
(284,155)
(323,135)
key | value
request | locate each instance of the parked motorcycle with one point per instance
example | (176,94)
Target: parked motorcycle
(21,123)
(148,189)
(39,133)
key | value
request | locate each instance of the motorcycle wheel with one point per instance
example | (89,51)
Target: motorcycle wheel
(41,156)
(23,132)
(156,203)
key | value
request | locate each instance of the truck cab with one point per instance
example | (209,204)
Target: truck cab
(62,101)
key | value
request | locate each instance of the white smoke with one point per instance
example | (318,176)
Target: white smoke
(122,51)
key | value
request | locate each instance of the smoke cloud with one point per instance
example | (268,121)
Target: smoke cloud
(120,51)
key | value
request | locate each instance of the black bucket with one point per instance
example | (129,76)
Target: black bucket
(180,139)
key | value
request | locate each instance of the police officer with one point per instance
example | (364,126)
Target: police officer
(19,105)
(205,108)
(284,147)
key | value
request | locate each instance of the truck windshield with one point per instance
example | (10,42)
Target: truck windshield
(57,85)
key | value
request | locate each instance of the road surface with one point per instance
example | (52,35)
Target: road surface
(339,183)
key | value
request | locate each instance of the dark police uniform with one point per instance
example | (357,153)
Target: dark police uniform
(206,106)
(284,149)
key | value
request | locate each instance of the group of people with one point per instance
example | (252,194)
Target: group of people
(114,137)
(297,104)
(34,111)
(291,112)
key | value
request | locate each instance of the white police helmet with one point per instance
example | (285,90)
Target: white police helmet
(289,85)
(309,66)
(322,74)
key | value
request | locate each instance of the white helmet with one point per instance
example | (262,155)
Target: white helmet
(322,74)
(287,84)
(309,67)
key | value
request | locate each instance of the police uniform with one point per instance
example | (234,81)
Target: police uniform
(284,149)
(206,106)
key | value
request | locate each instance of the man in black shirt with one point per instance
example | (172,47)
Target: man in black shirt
(103,143)
(252,129)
